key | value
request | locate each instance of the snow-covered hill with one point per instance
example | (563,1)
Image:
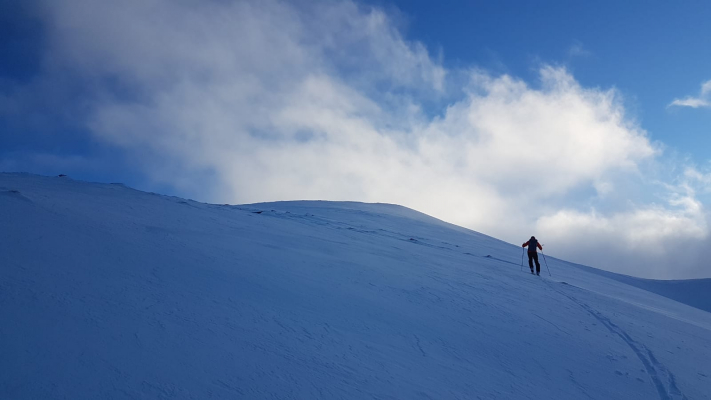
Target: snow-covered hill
(111,293)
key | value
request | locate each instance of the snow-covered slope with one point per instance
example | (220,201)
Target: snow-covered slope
(694,292)
(111,293)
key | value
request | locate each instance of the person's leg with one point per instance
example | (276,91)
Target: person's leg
(538,265)
(530,260)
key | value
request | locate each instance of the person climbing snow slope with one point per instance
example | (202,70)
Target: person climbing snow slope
(533,254)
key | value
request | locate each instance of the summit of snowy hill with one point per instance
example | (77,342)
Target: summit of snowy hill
(107,292)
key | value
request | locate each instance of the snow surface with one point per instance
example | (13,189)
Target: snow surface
(111,293)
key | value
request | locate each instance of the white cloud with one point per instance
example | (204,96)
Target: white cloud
(328,101)
(693,102)
(706,88)
(703,100)
(701,179)
(668,240)
(644,241)
(578,50)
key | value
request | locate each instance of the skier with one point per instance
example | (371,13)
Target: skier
(533,254)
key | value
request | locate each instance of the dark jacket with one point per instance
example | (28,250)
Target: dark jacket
(532,244)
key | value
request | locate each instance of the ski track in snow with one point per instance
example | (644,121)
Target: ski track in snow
(656,370)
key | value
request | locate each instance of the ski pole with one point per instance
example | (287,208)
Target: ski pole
(521,259)
(544,260)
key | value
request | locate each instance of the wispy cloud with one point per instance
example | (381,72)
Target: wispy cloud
(702,100)
(578,50)
(330,101)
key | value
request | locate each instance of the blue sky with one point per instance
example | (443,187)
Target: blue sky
(586,123)
(652,51)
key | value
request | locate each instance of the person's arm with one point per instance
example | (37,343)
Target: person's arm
(525,244)
(539,246)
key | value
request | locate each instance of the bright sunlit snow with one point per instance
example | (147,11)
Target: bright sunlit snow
(111,293)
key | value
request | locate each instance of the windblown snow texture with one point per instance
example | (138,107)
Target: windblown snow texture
(112,293)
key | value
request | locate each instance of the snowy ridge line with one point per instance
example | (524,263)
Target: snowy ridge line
(312,219)
(656,370)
